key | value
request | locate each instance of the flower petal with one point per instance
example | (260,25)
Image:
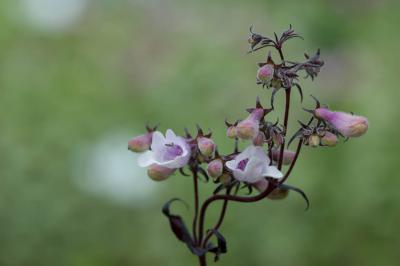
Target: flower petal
(158,141)
(146,159)
(273,172)
(231,164)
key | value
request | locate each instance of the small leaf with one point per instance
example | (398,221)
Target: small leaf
(221,247)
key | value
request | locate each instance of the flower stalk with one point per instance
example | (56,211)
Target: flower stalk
(260,165)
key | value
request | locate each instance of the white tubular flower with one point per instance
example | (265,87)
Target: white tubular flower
(170,151)
(252,165)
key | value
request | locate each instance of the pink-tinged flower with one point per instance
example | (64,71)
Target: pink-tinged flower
(252,165)
(288,156)
(265,73)
(231,132)
(170,151)
(276,194)
(215,168)
(140,143)
(249,128)
(159,173)
(206,146)
(329,139)
(347,124)
(259,139)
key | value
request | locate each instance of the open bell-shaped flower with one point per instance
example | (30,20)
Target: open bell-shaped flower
(348,125)
(159,173)
(252,165)
(170,151)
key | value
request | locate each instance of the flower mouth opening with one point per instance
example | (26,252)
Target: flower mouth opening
(242,164)
(172,151)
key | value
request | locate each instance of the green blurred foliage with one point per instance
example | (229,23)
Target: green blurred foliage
(179,63)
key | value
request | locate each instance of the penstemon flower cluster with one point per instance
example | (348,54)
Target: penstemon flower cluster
(264,165)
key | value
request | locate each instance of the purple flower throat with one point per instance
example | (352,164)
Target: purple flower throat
(242,164)
(172,151)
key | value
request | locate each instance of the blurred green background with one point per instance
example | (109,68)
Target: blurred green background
(79,78)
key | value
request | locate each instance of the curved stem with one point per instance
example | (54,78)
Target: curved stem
(265,193)
(293,162)
(220,220)
(196,204)
(285,123)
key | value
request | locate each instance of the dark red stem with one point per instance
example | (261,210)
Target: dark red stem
(293,162)
(285,124)
(219,223)
(213,198)
(196,204)
(202,260)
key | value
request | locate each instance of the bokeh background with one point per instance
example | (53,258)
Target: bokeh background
(78,78)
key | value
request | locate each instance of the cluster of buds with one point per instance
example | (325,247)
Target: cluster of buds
(264,164)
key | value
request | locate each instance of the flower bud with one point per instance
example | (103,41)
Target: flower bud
(329,139)
(259,139)
(140,143)
(249,128)
(314,140)
(206,146)
(288,156)
(261,185)
(159,173)
(347,124)
(215,168)
(265,73)
(278,194)
(231,132)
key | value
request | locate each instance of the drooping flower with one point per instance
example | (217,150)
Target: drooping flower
(249,128)
(288,156)
(170,151)
(140,143)
(159,173)
(215,168)
(206,146)
(348,125)
(252,165)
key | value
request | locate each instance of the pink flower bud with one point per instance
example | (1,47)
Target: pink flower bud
(159,173)
(261,185)
(249,128)
(347,124)
(288,156)
(329,139)
(206,146)
(314,140)
(215,168)
(231,132)
(265,73)
(140,143)
(278,194)
(259,139)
